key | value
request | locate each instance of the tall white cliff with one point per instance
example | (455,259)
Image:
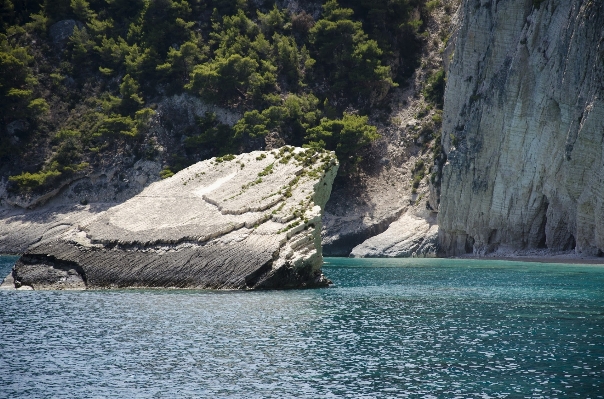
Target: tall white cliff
(524,128)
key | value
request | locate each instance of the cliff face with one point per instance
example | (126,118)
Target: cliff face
(524,128)
(245,222)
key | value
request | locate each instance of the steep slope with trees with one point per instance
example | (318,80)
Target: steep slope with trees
(101,97)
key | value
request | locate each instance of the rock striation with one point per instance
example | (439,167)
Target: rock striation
(251,221)
(19,228)
(523,128)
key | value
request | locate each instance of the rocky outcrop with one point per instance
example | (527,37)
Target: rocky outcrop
(408,237)
(245,222)
(350,219)
(377,196)
(524,128)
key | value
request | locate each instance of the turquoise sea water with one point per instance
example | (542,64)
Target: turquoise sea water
(406,328)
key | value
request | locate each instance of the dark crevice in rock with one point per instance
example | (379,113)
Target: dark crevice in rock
(541,235)
(469,244)
(542,243)
(492,236)
(571,244)
(344,245)
(252,279)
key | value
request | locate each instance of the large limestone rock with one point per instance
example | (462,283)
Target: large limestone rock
(245,222)
(524,128)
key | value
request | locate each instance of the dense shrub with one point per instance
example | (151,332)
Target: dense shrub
(344,136)
(348,59)
(434,90)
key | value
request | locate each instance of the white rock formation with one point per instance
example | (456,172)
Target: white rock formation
(524,128)
(245,222)
(408,237)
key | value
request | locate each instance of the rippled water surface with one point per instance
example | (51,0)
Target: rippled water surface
(429,328)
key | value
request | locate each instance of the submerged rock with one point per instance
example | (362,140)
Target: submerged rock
(247,222)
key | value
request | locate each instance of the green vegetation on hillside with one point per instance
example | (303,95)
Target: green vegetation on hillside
(79,80)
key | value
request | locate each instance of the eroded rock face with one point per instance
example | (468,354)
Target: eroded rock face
(524,128)
(246,222)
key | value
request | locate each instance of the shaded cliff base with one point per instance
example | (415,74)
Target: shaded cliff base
(538,255)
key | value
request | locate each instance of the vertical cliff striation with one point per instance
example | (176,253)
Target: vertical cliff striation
(524,128)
